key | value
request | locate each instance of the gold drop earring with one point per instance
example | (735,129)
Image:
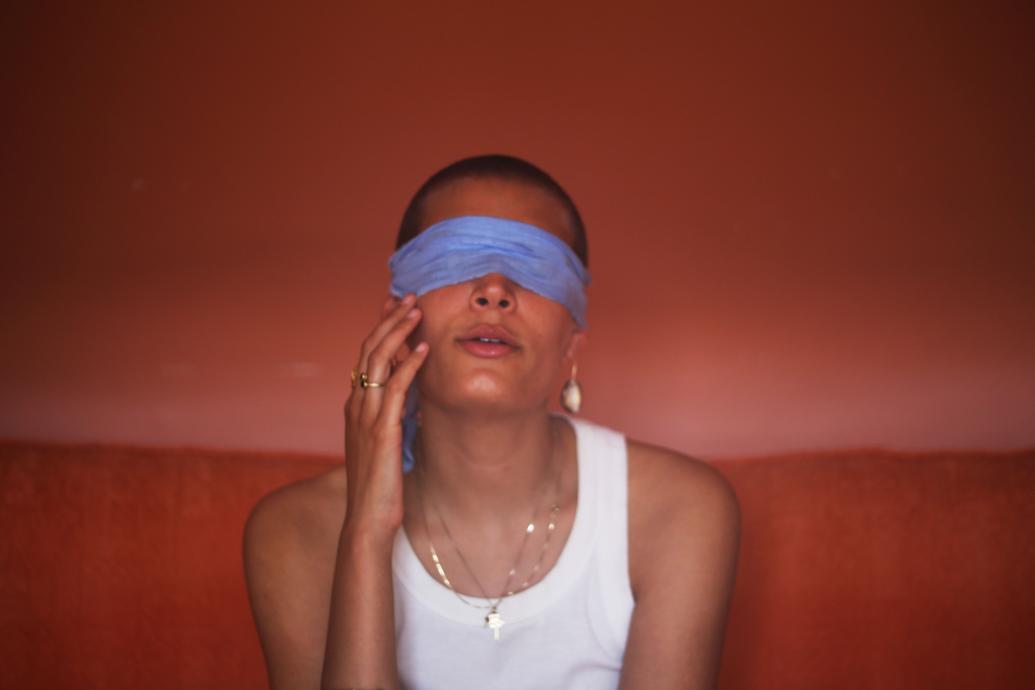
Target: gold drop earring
(571,393)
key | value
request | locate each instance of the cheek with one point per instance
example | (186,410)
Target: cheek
(553,341)
(553,322)
(549,315)
(434,306)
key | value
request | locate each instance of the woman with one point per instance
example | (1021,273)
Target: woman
(524,549)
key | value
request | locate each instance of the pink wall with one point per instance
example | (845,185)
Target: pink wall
(809,227)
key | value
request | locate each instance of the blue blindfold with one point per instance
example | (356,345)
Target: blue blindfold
(467,247)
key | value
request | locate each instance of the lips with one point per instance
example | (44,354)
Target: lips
(488,341)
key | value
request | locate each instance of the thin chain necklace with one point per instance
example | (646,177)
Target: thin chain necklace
(493,620)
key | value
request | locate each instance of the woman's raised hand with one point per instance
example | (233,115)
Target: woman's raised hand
(373,421)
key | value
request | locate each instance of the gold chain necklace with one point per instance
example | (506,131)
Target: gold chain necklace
(493,620)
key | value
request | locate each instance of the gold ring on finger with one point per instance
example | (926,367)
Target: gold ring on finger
(355,377)
(365,382)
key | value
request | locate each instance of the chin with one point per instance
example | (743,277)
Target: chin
(486,390)
(482,394)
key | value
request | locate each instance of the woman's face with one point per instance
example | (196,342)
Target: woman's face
(541,337)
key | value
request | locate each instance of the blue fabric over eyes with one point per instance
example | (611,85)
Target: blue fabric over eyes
(467,247)
(459,249)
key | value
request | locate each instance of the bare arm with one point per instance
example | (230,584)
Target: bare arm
(287,609)
(344,638)
(361,635)
(683,552)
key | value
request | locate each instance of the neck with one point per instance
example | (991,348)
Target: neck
(490,469)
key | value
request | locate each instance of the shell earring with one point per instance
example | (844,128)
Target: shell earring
(571,393)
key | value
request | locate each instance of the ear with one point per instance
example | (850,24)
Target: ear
(578,340)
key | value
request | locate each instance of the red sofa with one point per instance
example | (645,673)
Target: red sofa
(120,567)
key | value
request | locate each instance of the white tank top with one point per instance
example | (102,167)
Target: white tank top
(566,631)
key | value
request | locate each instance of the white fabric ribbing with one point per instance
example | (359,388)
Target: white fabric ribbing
(566,631)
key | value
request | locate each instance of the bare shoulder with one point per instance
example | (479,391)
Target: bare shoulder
(681,509)
(663,480)
(684,535)
(290,544)
(298,512)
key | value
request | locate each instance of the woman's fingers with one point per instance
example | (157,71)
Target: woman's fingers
(404,350)
(395,392)
(379,363)
(392,311)
(397,313)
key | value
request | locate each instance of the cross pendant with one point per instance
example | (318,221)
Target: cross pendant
(494,621)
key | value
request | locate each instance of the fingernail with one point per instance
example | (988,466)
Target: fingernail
(412,314)
(421,347)
(409,298)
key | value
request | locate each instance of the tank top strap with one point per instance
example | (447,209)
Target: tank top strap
(605,481)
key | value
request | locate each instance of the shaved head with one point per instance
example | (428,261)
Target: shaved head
(496,185)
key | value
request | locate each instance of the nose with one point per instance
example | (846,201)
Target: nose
(493,291)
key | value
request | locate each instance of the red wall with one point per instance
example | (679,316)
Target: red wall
(809,227)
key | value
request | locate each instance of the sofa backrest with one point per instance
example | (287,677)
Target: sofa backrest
(121,567)
(871,569)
